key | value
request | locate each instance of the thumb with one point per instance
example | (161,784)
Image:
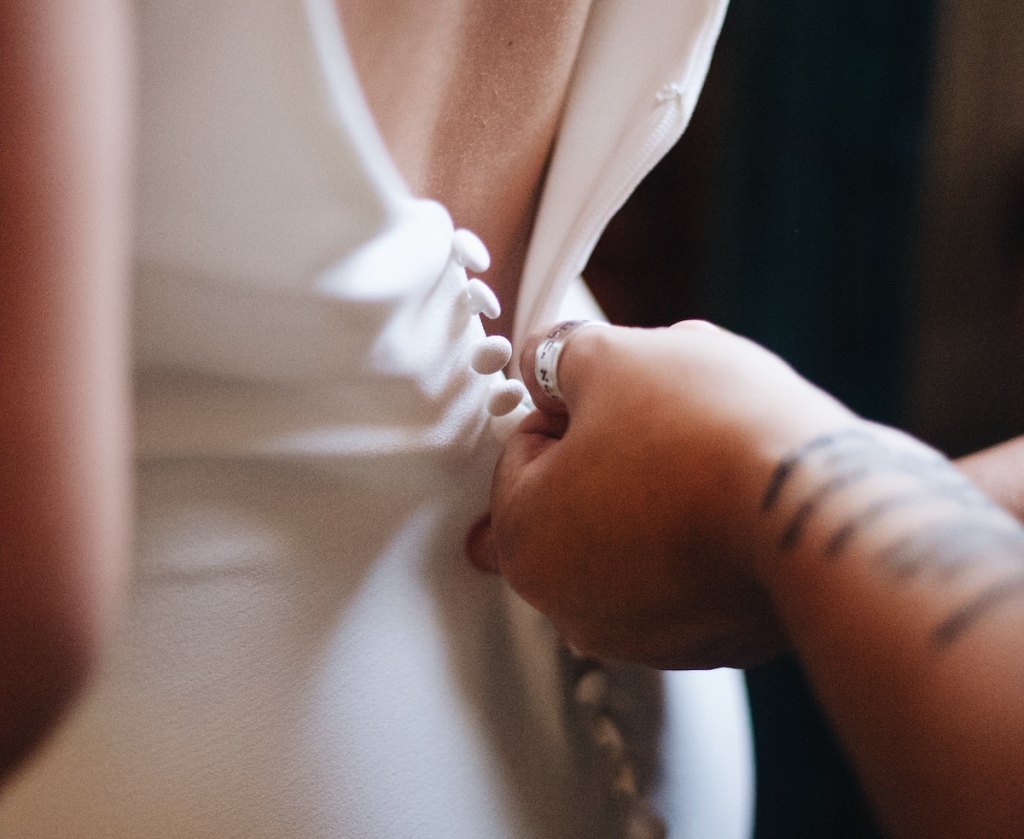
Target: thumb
(556,375)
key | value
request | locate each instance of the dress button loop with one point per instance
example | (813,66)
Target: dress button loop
(470,252)
(491,355)
(505,397)
(482,300)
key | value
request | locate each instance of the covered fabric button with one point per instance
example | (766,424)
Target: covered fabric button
(624,786)
(491,355)
(482,300)
(592,689)
(608,741)
(641,823)
(505,397)
(470,252)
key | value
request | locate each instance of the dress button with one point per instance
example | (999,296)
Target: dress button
(491,355)
(482,300)
(643,824)
(624,786)
(470,252)
(608,741)
(505,397)
(592,689)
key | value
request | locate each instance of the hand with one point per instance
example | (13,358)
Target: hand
(630,515)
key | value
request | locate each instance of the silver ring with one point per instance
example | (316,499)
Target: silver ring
(550,350)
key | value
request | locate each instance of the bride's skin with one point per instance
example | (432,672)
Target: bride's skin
(468,94)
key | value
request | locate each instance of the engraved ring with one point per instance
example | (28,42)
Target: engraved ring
(550,350)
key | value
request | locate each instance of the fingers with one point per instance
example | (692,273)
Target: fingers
(536,433)
(554,374)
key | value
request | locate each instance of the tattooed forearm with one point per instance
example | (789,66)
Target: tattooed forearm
(793,533)
(949,527)
(784,471)
(948,550)
(957,624)
(854,454)
(847,459)
(958,491)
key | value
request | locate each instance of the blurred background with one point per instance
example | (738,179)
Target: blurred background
(850,194)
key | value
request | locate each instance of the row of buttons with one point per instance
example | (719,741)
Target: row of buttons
(508,402)
(594,707)
(508,399)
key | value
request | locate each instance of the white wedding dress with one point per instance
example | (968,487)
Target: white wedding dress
(306,652)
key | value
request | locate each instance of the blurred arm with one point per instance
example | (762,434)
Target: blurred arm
(901,587)
(63,424)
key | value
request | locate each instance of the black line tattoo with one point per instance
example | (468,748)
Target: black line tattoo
(975,533)
(956,625)
(792,535)
(786,468)
(947,551)
(857,451)
(856,456)
(957,491)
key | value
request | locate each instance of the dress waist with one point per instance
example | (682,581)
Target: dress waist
(372,358)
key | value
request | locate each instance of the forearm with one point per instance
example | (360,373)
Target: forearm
(902,591)
(704,529)
(63,427)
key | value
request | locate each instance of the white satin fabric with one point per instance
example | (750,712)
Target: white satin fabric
(306,653)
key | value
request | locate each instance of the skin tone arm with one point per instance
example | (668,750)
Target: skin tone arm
(999,470)
(63,367)
(698,504)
